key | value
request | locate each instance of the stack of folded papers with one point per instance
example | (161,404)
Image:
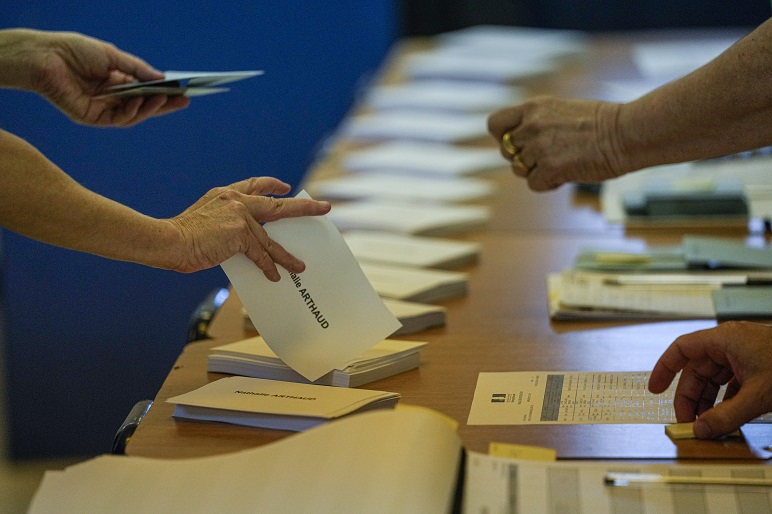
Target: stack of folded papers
(371,247)
(409,158)
(254,358)
(701,278)
(408,218)
(414,284)
(275,404)
(390,187)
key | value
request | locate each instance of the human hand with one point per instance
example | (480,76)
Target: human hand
(735,353)
(224,222)
(71,70)
(557,141)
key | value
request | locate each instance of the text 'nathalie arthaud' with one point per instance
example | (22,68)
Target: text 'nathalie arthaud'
(309,301)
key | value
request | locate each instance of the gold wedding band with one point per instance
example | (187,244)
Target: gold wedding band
(506,143)
(519,164)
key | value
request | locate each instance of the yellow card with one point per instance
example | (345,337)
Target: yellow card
(518,451)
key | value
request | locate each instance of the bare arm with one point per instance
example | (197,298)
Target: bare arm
(40,201)
(71,70)
(721,108)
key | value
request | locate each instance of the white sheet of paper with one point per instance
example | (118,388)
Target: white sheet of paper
(672,59)
(408,218)
(568,398)
(392,187)
(404,250)
(210,78)
(417,126)
(530,42)
(445,95)
(458,66)
(318,320)
(191,83)
(193,79)
(415,284)
(428,159)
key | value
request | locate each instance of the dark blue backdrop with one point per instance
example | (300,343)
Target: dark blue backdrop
(86,337)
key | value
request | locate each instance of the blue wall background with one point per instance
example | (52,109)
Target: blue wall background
(87,337)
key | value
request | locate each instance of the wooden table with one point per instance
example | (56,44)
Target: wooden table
(501,325)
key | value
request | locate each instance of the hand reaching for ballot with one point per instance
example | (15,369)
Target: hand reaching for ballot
(558,140)
(225,221)
(735,353)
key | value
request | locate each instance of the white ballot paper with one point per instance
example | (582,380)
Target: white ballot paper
(186,83)
(321,319)
(570,397)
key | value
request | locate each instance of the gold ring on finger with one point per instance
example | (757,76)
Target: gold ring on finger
(506,143)
(518,163)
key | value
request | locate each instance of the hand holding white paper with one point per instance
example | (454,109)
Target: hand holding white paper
(320,319)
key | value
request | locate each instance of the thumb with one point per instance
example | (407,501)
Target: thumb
(729,415)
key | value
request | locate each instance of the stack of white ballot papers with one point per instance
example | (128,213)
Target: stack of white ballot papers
(254,358)
(536,43)
(453,65)
(386,186)
(408,218)
(415,317)
(275,404)
(413,251)
(424,159)
(319,320)
(411,125)
(414,284)
(485,54)
(444,96)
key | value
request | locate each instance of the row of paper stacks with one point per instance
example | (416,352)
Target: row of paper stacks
(417,176)
(700,278)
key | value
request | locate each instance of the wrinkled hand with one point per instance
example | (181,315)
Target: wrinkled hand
(735,353)
(558,141)
(225,221)
(72,69)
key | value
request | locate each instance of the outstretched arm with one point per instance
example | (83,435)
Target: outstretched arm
(735,353)
(40,201)
(721,108)
(71,70)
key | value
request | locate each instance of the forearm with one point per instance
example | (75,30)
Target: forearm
(721,108)
(42,202)
(22,54)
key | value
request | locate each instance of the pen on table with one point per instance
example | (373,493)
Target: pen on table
(688,280)
(633,479)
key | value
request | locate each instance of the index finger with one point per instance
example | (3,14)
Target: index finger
(266,208)
(702,345)
(261,186)
(133,65)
